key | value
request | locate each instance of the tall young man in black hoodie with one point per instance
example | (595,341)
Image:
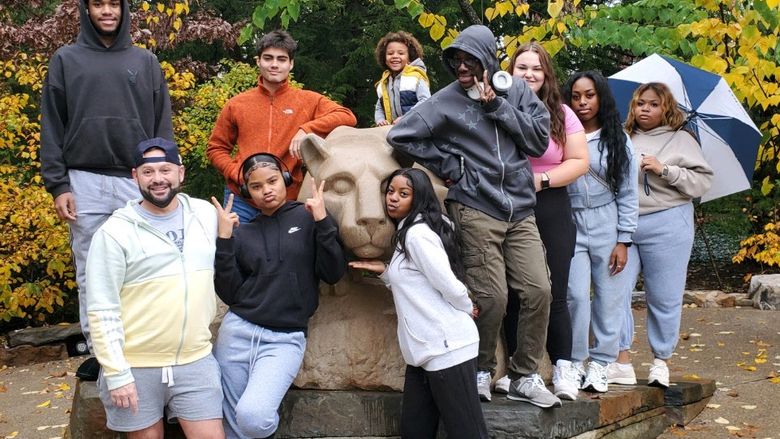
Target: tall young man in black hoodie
(101,97)
(480,142)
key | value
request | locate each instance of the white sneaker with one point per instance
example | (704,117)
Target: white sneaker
(596,378)
(621,373)
(502,385)
(565,380)
(580,369)
(483,385)
(659,374)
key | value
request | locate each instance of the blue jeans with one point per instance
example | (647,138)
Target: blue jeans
(597,236)
(258,366)
(246,212)
(97,196)
(661,250)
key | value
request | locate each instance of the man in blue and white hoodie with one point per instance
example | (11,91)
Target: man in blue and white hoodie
(150,300)
(479,143)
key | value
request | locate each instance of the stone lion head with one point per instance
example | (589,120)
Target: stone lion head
(354,162)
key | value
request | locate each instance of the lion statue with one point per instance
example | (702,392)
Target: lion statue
(352,337)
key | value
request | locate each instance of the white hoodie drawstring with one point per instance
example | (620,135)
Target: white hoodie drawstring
(167,375)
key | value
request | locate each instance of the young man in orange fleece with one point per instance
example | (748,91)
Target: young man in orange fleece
(271,118)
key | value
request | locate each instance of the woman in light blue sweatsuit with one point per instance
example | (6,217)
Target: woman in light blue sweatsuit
(605,208)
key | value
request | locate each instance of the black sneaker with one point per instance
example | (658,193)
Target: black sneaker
(89,370)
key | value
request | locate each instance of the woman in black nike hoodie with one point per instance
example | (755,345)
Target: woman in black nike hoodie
(268,273)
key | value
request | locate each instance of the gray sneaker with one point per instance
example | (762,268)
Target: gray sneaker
(531,389)
(483,385)
(502,385)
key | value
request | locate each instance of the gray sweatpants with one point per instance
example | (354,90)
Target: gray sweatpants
(97,197)
(258,366)
(662,247)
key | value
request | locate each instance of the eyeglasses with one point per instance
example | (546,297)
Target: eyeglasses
(470,62)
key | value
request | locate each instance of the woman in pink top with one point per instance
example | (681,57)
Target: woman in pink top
(565,160)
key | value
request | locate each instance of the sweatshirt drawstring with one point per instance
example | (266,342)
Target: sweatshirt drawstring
(254,348)
(167,375)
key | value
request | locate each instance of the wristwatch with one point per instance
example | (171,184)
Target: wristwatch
(627,244)
(545,181)
(665,171)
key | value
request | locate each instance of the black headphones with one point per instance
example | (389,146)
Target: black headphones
(262,157)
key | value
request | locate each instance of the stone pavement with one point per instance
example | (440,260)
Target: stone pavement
(736,347)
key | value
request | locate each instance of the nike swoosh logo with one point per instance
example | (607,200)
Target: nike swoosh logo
(293,230)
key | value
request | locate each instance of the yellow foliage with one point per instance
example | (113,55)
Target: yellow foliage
(36,274)
(763,248)
(554,7)
(425,20)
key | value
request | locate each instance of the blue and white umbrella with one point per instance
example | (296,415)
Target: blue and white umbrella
(729,139)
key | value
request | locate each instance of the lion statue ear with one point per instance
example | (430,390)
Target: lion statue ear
(314,152)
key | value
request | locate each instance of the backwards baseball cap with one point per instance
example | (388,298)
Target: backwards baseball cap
(167,146)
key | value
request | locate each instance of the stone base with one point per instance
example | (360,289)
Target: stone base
(623,412)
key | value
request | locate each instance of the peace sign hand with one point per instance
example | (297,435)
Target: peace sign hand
(486,93)
(316,205)
(226,220)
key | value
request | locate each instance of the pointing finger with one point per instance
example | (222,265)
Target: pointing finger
(322,188)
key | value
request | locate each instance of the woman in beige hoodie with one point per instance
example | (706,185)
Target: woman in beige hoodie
(672,172)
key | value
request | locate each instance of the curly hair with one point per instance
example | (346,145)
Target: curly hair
(405,38)
(549,93)
(672,115)
(612,137)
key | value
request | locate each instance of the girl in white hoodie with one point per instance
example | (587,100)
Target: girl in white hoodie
(436,331)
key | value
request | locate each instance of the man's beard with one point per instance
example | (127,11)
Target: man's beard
(160,202)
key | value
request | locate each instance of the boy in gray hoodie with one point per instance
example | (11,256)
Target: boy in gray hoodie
(478,142)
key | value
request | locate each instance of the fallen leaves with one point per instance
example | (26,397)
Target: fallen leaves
(44,404)
(760,357)
(697,347)
(745,366)
(722,421)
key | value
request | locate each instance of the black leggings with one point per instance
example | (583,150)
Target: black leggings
(559,234)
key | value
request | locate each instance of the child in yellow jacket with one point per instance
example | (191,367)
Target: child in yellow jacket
(403,84)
